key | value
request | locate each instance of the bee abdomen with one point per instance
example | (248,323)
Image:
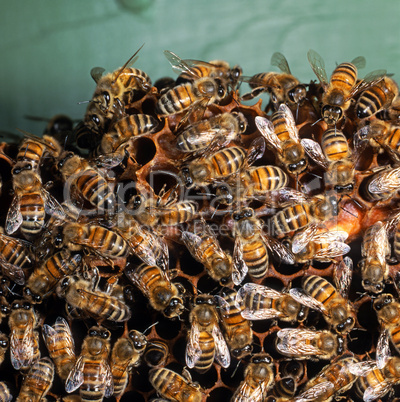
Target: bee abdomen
(228,161)
(33,213)
(206,359)
(256,257)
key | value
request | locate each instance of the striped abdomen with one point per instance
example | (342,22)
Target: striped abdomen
(373,379)
(12,251)
(255,255)
(32,152)
(33,213)
(320,289)
(178,213)
(291,218)
(278,119)
(207,346)
(93,387)
(227,161)
(132,78)
(176,100)
(94,188)
(107,242)
(135,124)
(266,178)
(334,145)
(344,77)
(393,139)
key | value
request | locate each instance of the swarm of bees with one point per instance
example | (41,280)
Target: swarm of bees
(187,241)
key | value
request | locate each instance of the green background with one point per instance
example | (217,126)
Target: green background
(48,47)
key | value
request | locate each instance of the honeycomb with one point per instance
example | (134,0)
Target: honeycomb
(151,166)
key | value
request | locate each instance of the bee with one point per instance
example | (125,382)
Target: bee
(237,330)
(303,343)
(313,244)
(250,252)
(221,165)
(321,295)
(125,128)
(5,394)
(144,243)
(30,203)
(104,242)
(3,346)
(121,85)
(163,295)
(258,380)
(297,216)
(283,87)
(388,312)
(342,86)
(92,373)
(383,184)
(374,250)
(263,303)
(376,98)
(61,346)
(205,248)
(283,390)
(190,96)
(282,134)
(14,256)
(175,387)
(205,339)
(156,353)
(332,380)
(37,382)
(125,354)
(223,128)
(85,295)
(44,278)
(24,339)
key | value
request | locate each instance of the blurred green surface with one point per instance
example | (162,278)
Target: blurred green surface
(48,47)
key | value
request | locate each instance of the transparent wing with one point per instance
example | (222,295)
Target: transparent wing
(14,216)
(297,341)
(333,249)
(314,151)
(239,267)
(315,392)
(302,297)
(343,274)
(52,206)
(373,393)
(371,79)
(361,369)
(359,62)
(222,355)
(14,272)
(302,238)
(382,349)
(255,151)
(107,379)
(179,65)
(22,350)
(96,73)
(75,377)
(281,252)
(279,60)
(290,123)
(318,66)
(267,130)
(193,350)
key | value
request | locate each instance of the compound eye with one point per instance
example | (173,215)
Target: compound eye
(26,306)
(236,216)
(64,283)
(221,91)
(96,120)
(107,98)
(93,332)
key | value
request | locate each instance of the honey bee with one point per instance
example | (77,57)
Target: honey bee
(14,256)
(156,353)
(125,128)
(297,216)
(205,248)
(126,354)
(5,394)
(88,182)
(121,85)
(283,390)
(319,294)
(37,382)
(44,278)
(61,347)
(283,87)
(342,86)
(303,343)
(223,128)
(333,379)
(175,387)
(190,96)
(163,295)
(388,312)
(383,184)
(263,303)
(24,339)
(258,379)
(237,330)
(104,242)
(144,243)
(205,340)
(221,164)
(250,252)
(282,134)
(375,249)
(376,98)
(85,295)
(3,346)
(30,203)
(92,373)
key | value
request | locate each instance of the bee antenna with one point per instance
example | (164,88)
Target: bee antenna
(236,368)
(88,101)
(128,61)
(149,327)
(346,210)
(315,122)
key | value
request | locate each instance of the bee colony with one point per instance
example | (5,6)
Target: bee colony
(180,244)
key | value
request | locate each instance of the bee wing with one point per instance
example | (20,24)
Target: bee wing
(22,350)
(179,65)
(255,151)
(282,253)
(294,341)
(314,151)
(315,392)
(107,379)
(279,60)
(386,181)
(14,216)
(380,241)
(75,377)
(361,369)
(359,62)
(193,350)
(108,161)
(192,242)
(371,79)
(290,123)
(378,390)
(343,274)
(360,139)
(224,306)
(96,73)
(285,196)
(267,130)
(302,297)
(382,349)
(318,66)
(52,206)
(14,272)
(222,355)
(51,336)
(302,238)
(334,249)
(239,267)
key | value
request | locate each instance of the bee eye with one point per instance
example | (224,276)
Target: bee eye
(221,91)
(3,344)
(236,216)
(106,96)
(15,306)
(64,283)
(105,334)
(26,306)
(93,332)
